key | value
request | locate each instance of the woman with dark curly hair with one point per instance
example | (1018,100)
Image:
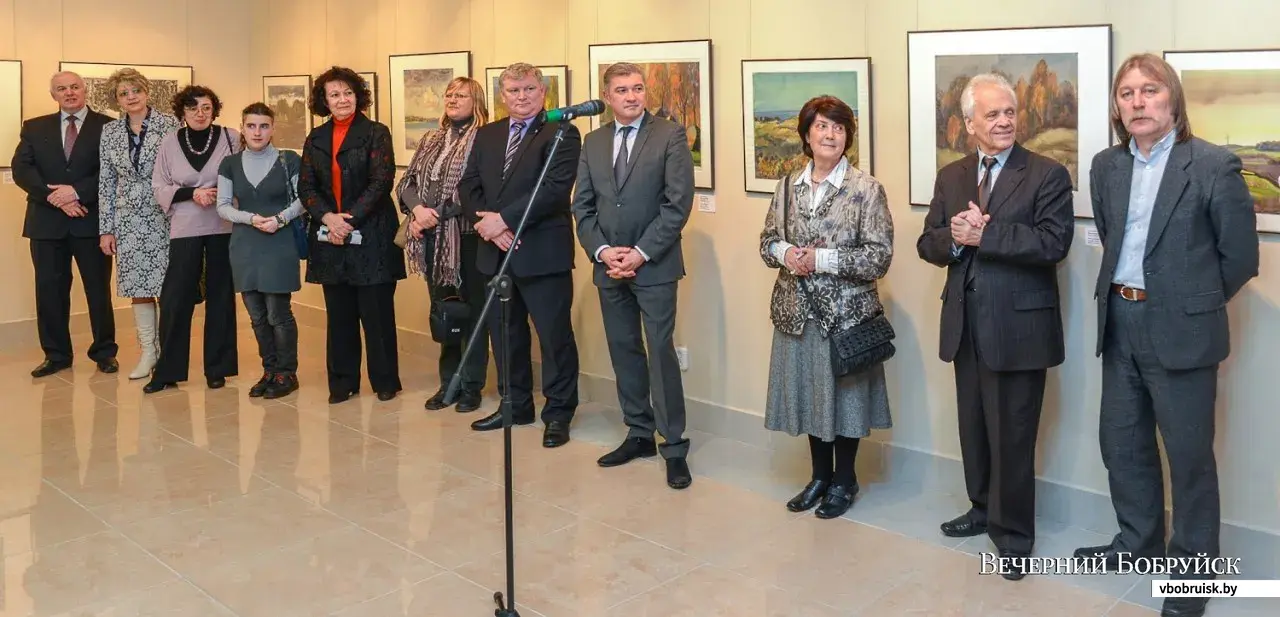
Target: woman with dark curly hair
(185,182)
(348,168)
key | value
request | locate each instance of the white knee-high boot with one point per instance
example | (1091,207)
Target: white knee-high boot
(146,318)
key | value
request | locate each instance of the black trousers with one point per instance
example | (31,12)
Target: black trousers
(1140,397)
(276,330)
(474,291)
(52,262)
(351,308)
(547,300)
(188,258)
(999,420)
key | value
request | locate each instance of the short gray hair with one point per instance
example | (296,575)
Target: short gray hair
(983,79)
(518,71)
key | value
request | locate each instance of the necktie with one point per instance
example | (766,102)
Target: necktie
(984,192)
(620,163)
(512,144)
(70,141)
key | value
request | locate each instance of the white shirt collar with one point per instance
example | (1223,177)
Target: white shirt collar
(80,115)
(617,126)
(835,178)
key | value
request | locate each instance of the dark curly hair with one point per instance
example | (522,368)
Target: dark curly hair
(186,98)
(320,103)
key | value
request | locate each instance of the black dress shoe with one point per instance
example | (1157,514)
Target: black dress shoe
(631,449)
(469,401)
(217,383)
(260,388)
(1184,607)
(555,434)
(108,366)
(1105,552)
(963,527)
(341,396)
(493,421)
(678,475)
(386,395)
(48,368)
(436,402)
(813,492)
(1017,565)
(156,386)
(836,502)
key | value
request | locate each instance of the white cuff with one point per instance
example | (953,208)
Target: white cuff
(642,253)
(601,250)
(827,261)
(779,250)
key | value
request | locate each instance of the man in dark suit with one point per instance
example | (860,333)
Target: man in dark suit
(1001,324)
(503,169)
(1179,238)
(56,163)
(634,196)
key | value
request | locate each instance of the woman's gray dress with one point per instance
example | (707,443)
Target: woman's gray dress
(260,261)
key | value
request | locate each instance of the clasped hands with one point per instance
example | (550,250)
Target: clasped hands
(266,224)
(338,226)
(424,218)
(967,226)
(64,198)
(801,260)
(621,261)
(493,229)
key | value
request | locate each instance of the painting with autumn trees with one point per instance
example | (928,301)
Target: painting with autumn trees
(1048,104)
(673,91)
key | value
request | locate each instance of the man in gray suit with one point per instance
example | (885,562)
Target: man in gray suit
(634,196)
(1179,241)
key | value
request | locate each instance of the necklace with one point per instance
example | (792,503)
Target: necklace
(186,136)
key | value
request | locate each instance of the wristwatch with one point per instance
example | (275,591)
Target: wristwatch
(280,219)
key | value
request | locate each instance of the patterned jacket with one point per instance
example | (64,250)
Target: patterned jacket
(854,220)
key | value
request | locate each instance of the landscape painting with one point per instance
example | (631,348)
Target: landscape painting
(1061,77)
(166,81)
(1233,100)
(678,88)
(774,91)
(418,83)
(287,96)
(1044,84)
(554,78)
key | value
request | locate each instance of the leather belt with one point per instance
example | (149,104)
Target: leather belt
(1132,294)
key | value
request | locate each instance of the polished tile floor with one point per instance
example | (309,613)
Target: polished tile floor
(208,503)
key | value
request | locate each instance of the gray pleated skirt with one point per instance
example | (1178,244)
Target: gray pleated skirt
(805,398)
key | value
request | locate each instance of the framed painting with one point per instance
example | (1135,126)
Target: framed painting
(774,91)
(10,109)
(165,80)
(289,96)
(418,82)
(555,78)
(1233,100)
(678,87)
(1062,79)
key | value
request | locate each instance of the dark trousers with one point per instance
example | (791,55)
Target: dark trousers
(474,291)
(547,300)
(999,417)
(275,329)
(649,387)
(372,308)
(1139,397)
(188,259)
(52,262)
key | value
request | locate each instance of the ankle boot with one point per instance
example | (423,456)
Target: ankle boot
(147,320)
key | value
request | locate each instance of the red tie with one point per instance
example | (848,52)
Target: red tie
(71,136)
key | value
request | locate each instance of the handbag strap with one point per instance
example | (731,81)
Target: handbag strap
(288,184)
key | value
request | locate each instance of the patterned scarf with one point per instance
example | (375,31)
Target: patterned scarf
(440,160)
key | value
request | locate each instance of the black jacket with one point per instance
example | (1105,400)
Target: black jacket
(368,166)
(39,161)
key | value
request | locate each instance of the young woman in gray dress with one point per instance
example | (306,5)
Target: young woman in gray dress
(830,244)
(258,193)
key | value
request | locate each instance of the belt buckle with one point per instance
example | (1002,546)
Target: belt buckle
(1125,290)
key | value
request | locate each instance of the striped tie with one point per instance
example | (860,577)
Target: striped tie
(512,143)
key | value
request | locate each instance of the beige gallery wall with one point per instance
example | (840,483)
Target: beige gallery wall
(724,301)
(41,33)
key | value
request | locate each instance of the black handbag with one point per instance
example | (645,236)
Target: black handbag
(860,346)
(449,319)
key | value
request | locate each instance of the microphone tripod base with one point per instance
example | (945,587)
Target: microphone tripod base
(502,609)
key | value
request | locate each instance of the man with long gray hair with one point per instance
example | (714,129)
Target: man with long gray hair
(1000,221)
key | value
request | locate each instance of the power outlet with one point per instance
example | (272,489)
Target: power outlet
(682,356)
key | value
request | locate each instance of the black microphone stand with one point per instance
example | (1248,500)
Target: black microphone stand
(500,287)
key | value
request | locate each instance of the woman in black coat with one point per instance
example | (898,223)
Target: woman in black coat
(351,238)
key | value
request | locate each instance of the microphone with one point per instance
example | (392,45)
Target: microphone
(586,108)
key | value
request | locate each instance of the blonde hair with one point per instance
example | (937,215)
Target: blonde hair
(479,108)
(518,71)
(128,75)
(1153,67)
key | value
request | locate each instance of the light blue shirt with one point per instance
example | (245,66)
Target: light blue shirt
(1147,173)
(1001,158)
